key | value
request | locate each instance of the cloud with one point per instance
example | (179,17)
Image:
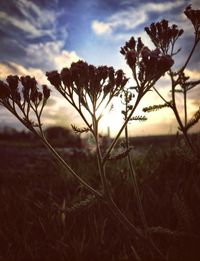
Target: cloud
(17,69)
(131,18)
(193,74)
(101,27)
(34,21)
(40,57)
(23,25)
(50,55)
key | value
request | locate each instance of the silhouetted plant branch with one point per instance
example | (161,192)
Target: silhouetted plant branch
(90,91)
(164,37)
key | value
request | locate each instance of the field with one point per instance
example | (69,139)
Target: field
(46,215)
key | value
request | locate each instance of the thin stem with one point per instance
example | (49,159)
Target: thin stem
(161,96)
(132,229)
(190,55)
(123,219)
(138,199)
(99,156)
(107,195)
(121,129)
(57,156)
(79,111)
(135,184)
(185,104)
(176,113)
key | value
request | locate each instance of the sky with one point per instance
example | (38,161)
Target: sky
(42,35)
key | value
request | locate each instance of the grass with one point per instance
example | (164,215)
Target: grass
(34,227)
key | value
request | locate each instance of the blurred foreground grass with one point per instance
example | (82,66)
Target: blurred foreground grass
(34,191)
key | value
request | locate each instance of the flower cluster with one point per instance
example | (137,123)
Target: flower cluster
(31,92)
(87,81)
(21,96)
(194,16)
(10,89)
(28,93)
(163,36)
(151,65)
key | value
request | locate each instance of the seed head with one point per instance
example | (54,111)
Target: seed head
(12,81)
(4,90)
(194,17)
(131,58)
(151,64)
(103,72)
(54,78)
(29,83)
(162,35)
(119,77)
(66,76)
(46,91)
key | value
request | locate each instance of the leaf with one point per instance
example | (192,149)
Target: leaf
(156,107)
(120,155)
(80,205)
(178,90)
(79,130)
(190,85)
(194,120)
(139,118)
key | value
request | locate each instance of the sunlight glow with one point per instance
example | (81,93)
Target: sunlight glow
(112,119)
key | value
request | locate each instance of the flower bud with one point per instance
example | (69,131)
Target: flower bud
(40,96)
(28,82)
(12,80)
(122,51)
(34,95)
(165,63)
(119,77)
(131,43)
(194,16)
(66,76)
(54,78)
(103,72)
(140,45)
(108,87)
(131,58)
(4,90)
(46,91)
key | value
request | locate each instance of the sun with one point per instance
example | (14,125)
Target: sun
(111,120)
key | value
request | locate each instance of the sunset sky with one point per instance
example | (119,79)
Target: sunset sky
(42,35)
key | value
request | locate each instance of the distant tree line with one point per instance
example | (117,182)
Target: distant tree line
(59,136)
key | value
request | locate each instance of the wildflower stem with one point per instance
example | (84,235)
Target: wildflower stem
(99,157)
(185,104)
(106,156)
(78,109)
(57,156)
(107,195)
(176,113)
(135,184)
(161,96)
(189,56)
(151,244)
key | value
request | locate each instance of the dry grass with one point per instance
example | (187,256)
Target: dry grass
(34,227)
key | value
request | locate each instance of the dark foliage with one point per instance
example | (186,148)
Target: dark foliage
(33,197)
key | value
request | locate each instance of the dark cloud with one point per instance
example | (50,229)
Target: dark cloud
(27,22)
